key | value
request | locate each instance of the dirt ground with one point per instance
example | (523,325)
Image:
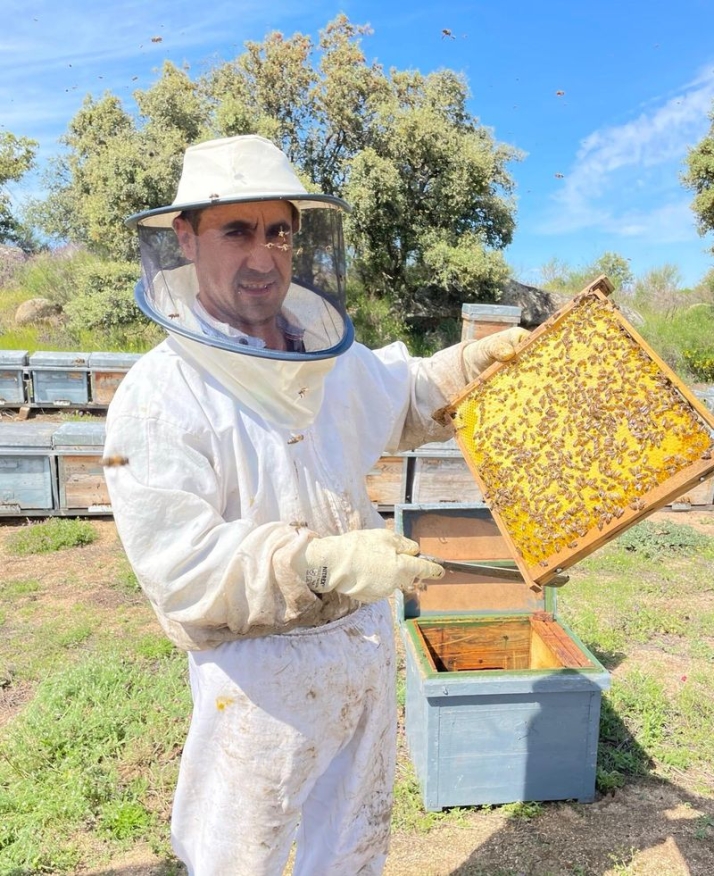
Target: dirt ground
(649,828)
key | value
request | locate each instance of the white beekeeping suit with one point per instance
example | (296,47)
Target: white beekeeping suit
(243,510)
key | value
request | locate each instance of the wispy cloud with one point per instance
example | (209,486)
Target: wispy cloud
(625,178)
(52,55)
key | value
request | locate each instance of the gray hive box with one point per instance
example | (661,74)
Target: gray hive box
(106,372)
(59,379)
(27,467)
(79,447)
(12,385)
(502,700)
(441,474)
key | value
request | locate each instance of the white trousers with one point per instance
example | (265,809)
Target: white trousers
(291,732)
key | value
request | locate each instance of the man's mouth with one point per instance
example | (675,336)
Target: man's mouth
(261,288)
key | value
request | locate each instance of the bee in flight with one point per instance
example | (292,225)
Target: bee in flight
(114,461)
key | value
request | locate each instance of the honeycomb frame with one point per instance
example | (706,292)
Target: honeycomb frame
(585,432)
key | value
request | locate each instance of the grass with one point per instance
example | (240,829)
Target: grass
(88,764)
(85,755)
(648,600)
(53,534)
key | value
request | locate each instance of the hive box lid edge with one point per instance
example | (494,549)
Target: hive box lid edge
(62,359)
(14,436)
(464,532)
(80,434)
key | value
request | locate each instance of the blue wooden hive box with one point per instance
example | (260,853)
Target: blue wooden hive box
(12,384)
(27,468)
(59,378)
(502,700)
(79,447)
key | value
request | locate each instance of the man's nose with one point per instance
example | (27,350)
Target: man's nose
(261,257)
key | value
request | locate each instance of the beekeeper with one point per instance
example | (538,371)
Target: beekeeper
(244,513)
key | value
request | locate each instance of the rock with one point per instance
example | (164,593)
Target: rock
(37,310)
(537,305)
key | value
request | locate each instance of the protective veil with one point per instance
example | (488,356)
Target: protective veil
(240,173)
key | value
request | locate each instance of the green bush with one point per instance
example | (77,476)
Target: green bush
(53,534)
(104,297)
(685,340)
(376,324)
(97,301)
(700,363)
(50,275)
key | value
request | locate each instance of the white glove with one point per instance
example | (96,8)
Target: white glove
(498,347)
(368,564)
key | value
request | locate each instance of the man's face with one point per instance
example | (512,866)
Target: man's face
(243,259)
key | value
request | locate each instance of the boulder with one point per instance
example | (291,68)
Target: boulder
(537,305)
(37,310)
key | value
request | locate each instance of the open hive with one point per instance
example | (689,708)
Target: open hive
(582,434)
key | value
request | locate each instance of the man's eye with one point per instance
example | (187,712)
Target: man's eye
(281,239)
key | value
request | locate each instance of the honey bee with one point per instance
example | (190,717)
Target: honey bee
(295,439)
(114,461)
(173,315)
(298,524)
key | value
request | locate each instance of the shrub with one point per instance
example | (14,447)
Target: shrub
(104,298)
(685,340)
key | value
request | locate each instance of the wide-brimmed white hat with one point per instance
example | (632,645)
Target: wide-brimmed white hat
(230,170)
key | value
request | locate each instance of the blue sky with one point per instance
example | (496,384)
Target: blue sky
(603,98)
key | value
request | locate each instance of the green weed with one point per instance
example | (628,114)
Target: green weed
(409,813)
(657,539)
(15,589)
(53,534)
(87,749)
(523,810)
(704,827)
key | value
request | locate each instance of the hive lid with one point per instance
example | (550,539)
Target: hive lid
(583,434)
(437,448)
(113,360)
(80,433)
(15,436)
(44,358)
(13,357)
(464,532)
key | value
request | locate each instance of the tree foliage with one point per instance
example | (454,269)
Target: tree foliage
(660,291)
(559,276)
(17,155)
(429,184)
(699,177)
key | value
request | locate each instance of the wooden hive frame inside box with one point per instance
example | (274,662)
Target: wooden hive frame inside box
(584,433)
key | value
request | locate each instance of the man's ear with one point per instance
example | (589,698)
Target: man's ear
(186,237)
